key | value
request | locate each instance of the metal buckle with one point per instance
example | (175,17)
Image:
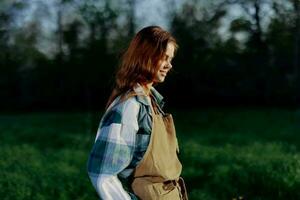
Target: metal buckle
(169,185)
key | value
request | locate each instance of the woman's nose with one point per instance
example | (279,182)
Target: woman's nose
(169,65)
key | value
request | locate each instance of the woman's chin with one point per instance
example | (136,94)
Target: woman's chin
(159,78)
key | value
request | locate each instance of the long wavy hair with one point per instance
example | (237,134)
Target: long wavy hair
(140,62)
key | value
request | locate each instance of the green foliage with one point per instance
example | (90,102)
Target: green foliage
(260,170)
(44,157)
(226,154)
(28,173)
(240,24)
(232,153)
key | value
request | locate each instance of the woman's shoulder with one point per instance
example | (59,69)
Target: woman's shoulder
(123,102)
(133,101)
(122,112)
(133,104)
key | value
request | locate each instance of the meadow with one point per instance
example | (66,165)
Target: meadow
(227,153)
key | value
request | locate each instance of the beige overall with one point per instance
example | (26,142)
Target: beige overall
(157,176)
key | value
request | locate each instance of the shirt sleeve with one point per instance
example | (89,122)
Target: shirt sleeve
(113,150)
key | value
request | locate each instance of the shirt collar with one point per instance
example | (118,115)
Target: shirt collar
(142,97)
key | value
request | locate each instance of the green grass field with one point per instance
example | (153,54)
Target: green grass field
(244,153)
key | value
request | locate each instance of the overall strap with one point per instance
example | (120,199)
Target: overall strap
(155,106)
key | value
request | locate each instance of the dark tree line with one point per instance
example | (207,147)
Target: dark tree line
(71,66)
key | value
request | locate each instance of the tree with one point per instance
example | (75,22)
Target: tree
(196,27)
(9,63)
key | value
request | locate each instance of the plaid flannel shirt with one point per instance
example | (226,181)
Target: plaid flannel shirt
(121,141)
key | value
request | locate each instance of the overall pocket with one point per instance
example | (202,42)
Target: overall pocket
(146,190)
(166,191)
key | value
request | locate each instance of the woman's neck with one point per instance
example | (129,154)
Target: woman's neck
(147,87)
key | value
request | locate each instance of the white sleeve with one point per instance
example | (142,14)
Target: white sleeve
(112,153)
(109,187)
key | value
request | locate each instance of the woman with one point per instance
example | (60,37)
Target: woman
(135,151)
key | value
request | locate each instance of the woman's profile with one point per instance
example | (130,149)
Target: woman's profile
(135,151)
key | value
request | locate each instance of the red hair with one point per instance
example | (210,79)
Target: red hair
(140,62)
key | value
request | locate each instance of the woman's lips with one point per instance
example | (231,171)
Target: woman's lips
(164,73)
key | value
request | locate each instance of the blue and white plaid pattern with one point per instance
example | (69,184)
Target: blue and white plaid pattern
(122,137)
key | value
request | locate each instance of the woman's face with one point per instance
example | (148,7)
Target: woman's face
(165,64)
